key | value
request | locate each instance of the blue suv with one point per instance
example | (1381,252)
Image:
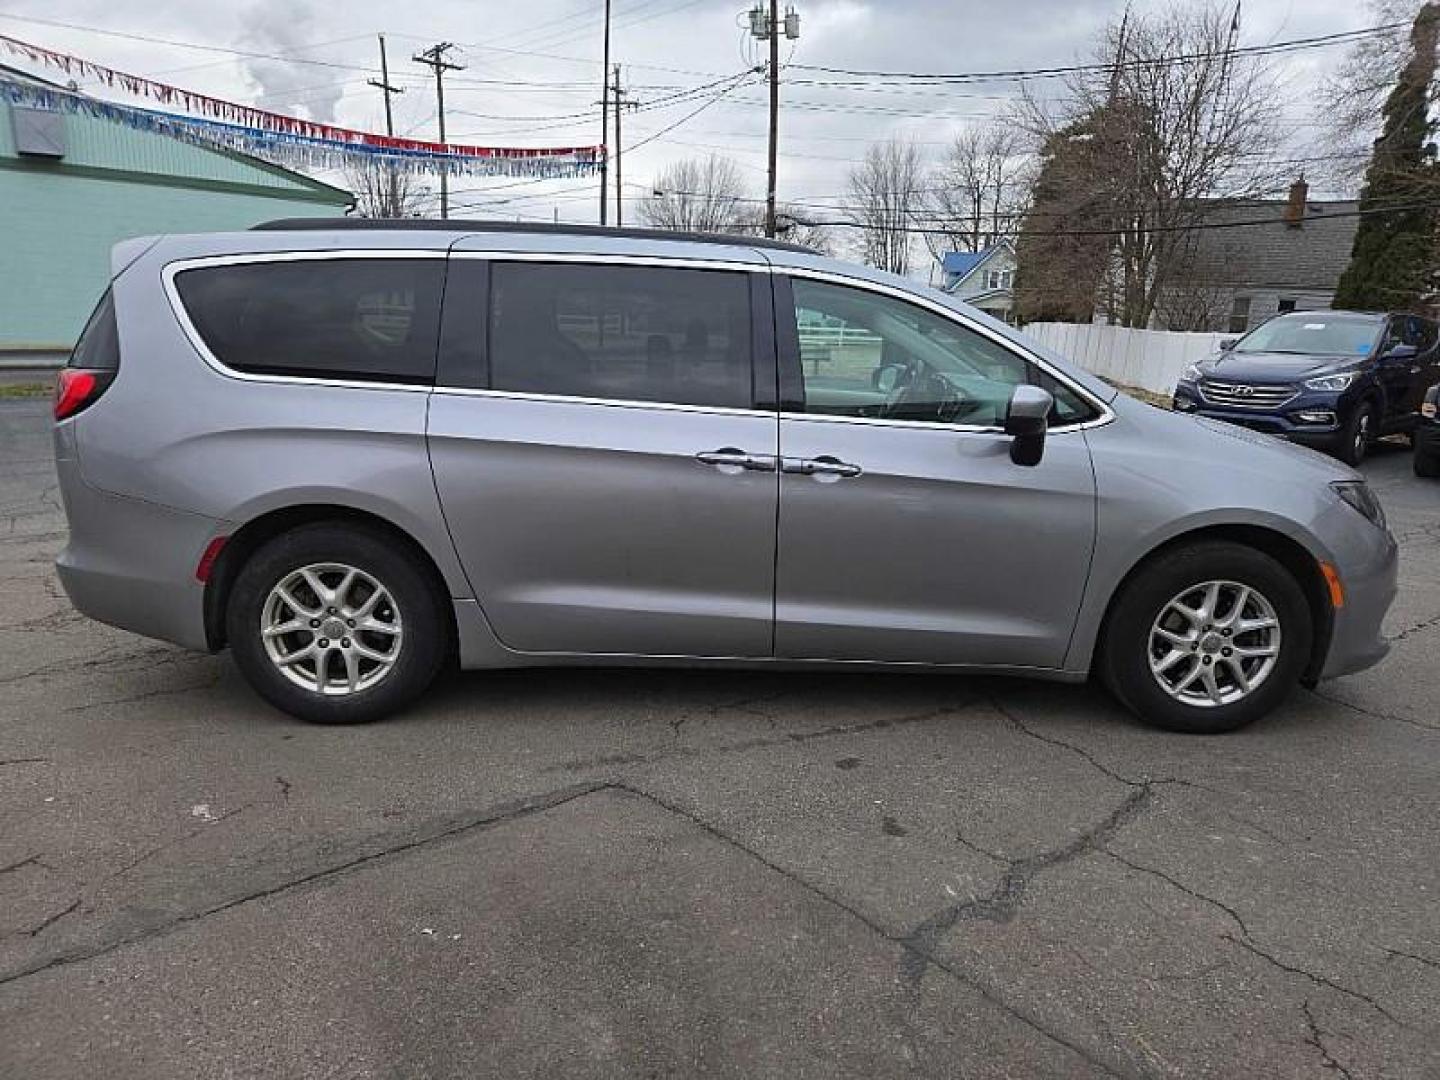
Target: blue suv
(1334,380)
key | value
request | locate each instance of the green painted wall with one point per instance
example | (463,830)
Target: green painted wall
(59,219)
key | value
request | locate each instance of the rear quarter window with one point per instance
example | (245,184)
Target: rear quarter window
(374,320)
(98,348)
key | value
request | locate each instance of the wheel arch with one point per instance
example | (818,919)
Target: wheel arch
(248,539)
(1298,560)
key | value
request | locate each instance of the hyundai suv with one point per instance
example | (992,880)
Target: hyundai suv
(354,452)
(1334,380)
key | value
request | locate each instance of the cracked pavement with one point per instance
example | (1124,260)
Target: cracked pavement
(672,873)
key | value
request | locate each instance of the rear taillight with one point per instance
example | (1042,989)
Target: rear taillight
(77,389)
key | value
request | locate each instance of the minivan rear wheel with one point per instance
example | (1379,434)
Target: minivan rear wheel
(335,624)
(1207,638)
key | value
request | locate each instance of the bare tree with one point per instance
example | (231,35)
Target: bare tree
(1169,139)
(382,191)
(885,189)
(796,226)
(973,196)
(699,195)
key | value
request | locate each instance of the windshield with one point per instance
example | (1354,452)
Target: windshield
(1314,334)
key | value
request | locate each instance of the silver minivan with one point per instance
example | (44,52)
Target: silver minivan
(357,451)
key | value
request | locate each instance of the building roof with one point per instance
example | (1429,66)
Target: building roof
(96,143)
(964,263)
(961,263)
(1274,254)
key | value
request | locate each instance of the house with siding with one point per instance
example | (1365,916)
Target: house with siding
(1235,276)
(72,185)
(984,279)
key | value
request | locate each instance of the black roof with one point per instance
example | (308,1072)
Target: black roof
(543,228)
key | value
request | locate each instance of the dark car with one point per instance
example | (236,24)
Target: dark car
(1334,380)
(1427,434)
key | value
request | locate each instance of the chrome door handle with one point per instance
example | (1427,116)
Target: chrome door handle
(825,465)
(737,459)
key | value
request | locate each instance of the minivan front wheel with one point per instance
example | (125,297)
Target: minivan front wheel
(334,624)
(1207,638)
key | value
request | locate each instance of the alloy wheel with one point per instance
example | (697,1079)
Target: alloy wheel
(332,629)
(1214,643)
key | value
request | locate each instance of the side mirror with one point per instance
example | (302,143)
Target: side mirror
(1400,352)
(1226,344)
(1026,421)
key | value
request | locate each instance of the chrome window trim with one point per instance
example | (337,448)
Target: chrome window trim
(622,403)
(172,295)
(170,270)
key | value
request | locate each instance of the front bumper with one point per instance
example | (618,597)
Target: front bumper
(1283,421)
(1367,560)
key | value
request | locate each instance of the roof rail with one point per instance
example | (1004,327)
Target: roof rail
(348,224)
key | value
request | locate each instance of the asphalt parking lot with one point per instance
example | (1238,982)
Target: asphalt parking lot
(724,874)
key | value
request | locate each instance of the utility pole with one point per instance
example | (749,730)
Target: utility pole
(605,118)
(767,26)
(620,106)
(434,57)
(383,85)
(391,186)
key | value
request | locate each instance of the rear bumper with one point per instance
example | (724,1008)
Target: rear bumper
(131,563)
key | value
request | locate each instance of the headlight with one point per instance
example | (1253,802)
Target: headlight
(1331,382)
(1358,494)
(1191,374)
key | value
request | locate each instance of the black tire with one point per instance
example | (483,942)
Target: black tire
(422,647)
(1126,648)
(1356,436)
(1427,464)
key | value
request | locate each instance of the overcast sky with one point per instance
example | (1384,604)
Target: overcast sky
(532,65)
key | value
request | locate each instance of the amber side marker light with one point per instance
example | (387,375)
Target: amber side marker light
(1332,579)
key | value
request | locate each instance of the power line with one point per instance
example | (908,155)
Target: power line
(1199,227)
(686,118)
(1294,45)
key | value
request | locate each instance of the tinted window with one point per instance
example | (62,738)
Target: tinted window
(623,332)
(369,319)
(99,346)
(863,354)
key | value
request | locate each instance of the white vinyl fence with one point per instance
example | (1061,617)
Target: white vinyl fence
(1149,359)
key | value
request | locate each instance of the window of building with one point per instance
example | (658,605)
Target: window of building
(1240,315)
(631,333)
(999,279)
(865,354)
(366,319)
(1285,307)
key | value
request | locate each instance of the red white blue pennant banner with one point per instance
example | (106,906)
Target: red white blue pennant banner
(273,135)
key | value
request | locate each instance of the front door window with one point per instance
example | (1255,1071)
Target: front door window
(864,354)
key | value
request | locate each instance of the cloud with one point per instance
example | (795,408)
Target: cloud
(283,27)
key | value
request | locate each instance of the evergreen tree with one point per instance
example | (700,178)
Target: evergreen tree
(1392,263)
(1060,261)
